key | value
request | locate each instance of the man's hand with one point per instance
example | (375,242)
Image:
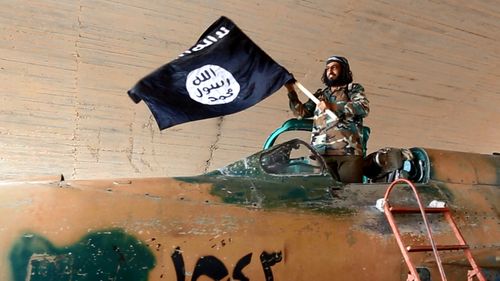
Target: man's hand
(322,105)
(290,86)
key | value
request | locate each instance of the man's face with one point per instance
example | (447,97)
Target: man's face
(333,70)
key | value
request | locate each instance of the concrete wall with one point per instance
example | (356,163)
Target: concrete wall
(429,69)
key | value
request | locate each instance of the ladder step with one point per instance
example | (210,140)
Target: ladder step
(428,248)
(417,210)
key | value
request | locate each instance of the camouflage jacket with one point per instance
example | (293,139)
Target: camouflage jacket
(340,137)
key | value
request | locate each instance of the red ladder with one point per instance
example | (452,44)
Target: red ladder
(405,250)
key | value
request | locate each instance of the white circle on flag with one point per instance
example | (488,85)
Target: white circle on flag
(211,85)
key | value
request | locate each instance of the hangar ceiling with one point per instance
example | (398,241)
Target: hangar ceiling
(430,70)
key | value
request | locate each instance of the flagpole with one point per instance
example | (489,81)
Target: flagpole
(315,99)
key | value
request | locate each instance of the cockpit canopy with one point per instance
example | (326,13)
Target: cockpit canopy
(294,157)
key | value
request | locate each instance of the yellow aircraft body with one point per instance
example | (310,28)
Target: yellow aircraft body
(247,221)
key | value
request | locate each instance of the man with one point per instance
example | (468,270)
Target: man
(339,141)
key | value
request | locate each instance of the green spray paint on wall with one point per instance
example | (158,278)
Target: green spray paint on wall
(103,255)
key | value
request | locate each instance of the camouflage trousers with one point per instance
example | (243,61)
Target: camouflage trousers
(346,168)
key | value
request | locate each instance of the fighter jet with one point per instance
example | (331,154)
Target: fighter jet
(278,214)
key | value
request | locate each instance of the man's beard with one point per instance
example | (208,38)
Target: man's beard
(341,80)
(331,82)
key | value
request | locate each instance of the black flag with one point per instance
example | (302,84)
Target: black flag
(223,73)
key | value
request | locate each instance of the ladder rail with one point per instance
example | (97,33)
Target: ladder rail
(458,234)
(399,240)
(426,223)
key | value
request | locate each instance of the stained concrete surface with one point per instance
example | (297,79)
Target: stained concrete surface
(430,69)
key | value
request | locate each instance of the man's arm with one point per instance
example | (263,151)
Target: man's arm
(299,109)
(357,106)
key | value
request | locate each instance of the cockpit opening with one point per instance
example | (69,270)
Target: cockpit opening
(297,158)
(292,158)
